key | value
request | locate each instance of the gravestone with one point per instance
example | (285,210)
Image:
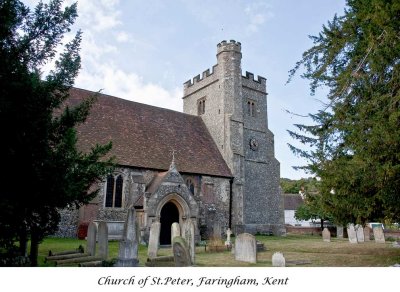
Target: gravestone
(326,235)
(278,260)
(103,240)
(128,246)
(188,235)
(339,231)
(246,248)
(154,239)
(181,252)
(91,239)
(360,233)
(228,237)
(379,235)
(367,233)
(351,232)
(175,231)
(217,231)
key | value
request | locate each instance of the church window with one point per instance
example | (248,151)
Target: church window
(201,106)
(114,192)
(190,185)
(118,192)
(251,108)
(109,191)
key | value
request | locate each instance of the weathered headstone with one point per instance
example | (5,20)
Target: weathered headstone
(181,252)
(217,231)
(379,235)
(91,239)
(351,232)
(103,240)
(339,231)
(228,237)
(367,233)
(175,231)
(128,246)
(360,233)
(278,260)
(326,235)
(246,248)
(154,239)
(188,235)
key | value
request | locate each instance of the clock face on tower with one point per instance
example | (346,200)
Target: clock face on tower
(253,144)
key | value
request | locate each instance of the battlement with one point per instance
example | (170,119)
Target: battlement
(232,45)
(197,78)
(250,76)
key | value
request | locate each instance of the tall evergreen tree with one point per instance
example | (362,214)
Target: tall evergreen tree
(43,171)
(355,140)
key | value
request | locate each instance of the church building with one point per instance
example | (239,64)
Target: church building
(213,164)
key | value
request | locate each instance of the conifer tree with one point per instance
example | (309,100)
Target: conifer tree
(355,139)
(43,171)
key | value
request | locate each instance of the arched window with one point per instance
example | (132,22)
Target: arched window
(109,191)
(114,192)
(251,108)
(118,192)
(190,185)
(201,106)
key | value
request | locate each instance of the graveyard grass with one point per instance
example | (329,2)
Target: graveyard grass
(299,250)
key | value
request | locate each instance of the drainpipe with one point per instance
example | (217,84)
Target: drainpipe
(230,201)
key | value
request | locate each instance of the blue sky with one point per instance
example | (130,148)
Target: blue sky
(145,50)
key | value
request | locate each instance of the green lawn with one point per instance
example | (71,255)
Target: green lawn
(299,250)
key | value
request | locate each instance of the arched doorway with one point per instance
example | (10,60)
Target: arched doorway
(169,214)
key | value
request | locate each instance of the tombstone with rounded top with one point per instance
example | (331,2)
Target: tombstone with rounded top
(154,239)
(351,232)
(91,239)
(339,231)
(181,252)
(367,233)
(175,231)
(278,260)
(246,248)
(326,235)
(360,233)
(379,236)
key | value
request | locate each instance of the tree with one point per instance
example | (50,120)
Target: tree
(44,170)
(308,185)
(312,209)
(355,139)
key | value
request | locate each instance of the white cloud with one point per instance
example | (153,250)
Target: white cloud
(129,86)
(258,13)
(122,37)
(98,20)
(99,15)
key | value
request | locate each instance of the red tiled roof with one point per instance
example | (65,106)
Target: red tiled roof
(144,136)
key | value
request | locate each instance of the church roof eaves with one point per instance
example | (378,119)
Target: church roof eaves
(144,136)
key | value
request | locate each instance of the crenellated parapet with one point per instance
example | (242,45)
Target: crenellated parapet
(232,45)
(196,79)
(258,84)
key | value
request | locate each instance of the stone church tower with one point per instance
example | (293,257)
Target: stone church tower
(234,110)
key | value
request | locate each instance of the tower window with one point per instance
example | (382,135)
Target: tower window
(251,108)
(201,106)
(114,192)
